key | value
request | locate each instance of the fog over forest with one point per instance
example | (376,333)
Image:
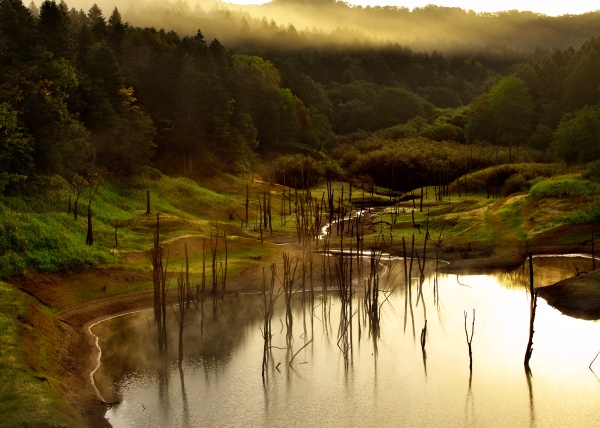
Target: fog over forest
(297,23)
(173,86)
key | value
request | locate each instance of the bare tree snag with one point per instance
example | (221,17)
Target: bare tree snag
(532,307)
(470,339)
(593,247)
(247,203)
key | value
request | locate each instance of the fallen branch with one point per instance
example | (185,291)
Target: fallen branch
(114,403)
(297,352)
(590,366)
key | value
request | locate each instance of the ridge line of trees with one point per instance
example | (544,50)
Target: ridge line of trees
(78,90)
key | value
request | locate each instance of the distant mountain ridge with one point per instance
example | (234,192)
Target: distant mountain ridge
(301,23)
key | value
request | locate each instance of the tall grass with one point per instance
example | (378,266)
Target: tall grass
(43,242)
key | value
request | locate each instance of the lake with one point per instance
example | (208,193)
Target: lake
(382,378)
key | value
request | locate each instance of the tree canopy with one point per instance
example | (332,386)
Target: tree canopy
(78,89)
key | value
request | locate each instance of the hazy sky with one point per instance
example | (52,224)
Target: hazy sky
(549,7)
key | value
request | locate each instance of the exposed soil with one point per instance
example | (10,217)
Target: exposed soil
(82,352)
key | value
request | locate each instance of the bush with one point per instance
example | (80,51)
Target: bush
(566,186)
(511,177)
(513,184)
(592,171)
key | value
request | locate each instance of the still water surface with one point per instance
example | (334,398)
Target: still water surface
(386,381)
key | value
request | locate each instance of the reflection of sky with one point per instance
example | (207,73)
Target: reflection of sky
(223,387)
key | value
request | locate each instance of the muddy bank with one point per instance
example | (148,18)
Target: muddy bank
(578,296)
(58,290)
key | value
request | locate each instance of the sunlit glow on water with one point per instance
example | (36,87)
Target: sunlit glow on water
(387,382)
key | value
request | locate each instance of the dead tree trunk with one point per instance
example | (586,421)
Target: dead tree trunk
(593,249)
(470,339)
(532,307)
(247,203)
(89,239)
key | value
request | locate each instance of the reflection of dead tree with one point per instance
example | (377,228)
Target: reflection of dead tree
(289,278)
(298,351)
(423,351)
(269,298)
(590,366)
(424,336)
(372,295)
(159,278)
(183,299)
(218,269)
(532,307)
(531,400)
(325,274)
(408,284)
(470,339)
(436,285)
(186,408)
(343,270)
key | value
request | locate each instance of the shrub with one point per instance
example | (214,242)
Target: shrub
(566,186)
(513,184)
(592,171)
(512,177)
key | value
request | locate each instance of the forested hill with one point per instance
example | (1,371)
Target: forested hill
(302,23)
(85,89)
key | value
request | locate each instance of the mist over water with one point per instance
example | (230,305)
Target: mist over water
(386,379)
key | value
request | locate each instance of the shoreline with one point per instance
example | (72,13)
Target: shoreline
(83,354)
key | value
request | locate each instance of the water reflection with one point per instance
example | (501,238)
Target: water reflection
(386,379)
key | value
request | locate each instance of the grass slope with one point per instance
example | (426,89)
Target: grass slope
(31,391)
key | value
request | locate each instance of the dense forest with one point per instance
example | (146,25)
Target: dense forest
(87,90)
